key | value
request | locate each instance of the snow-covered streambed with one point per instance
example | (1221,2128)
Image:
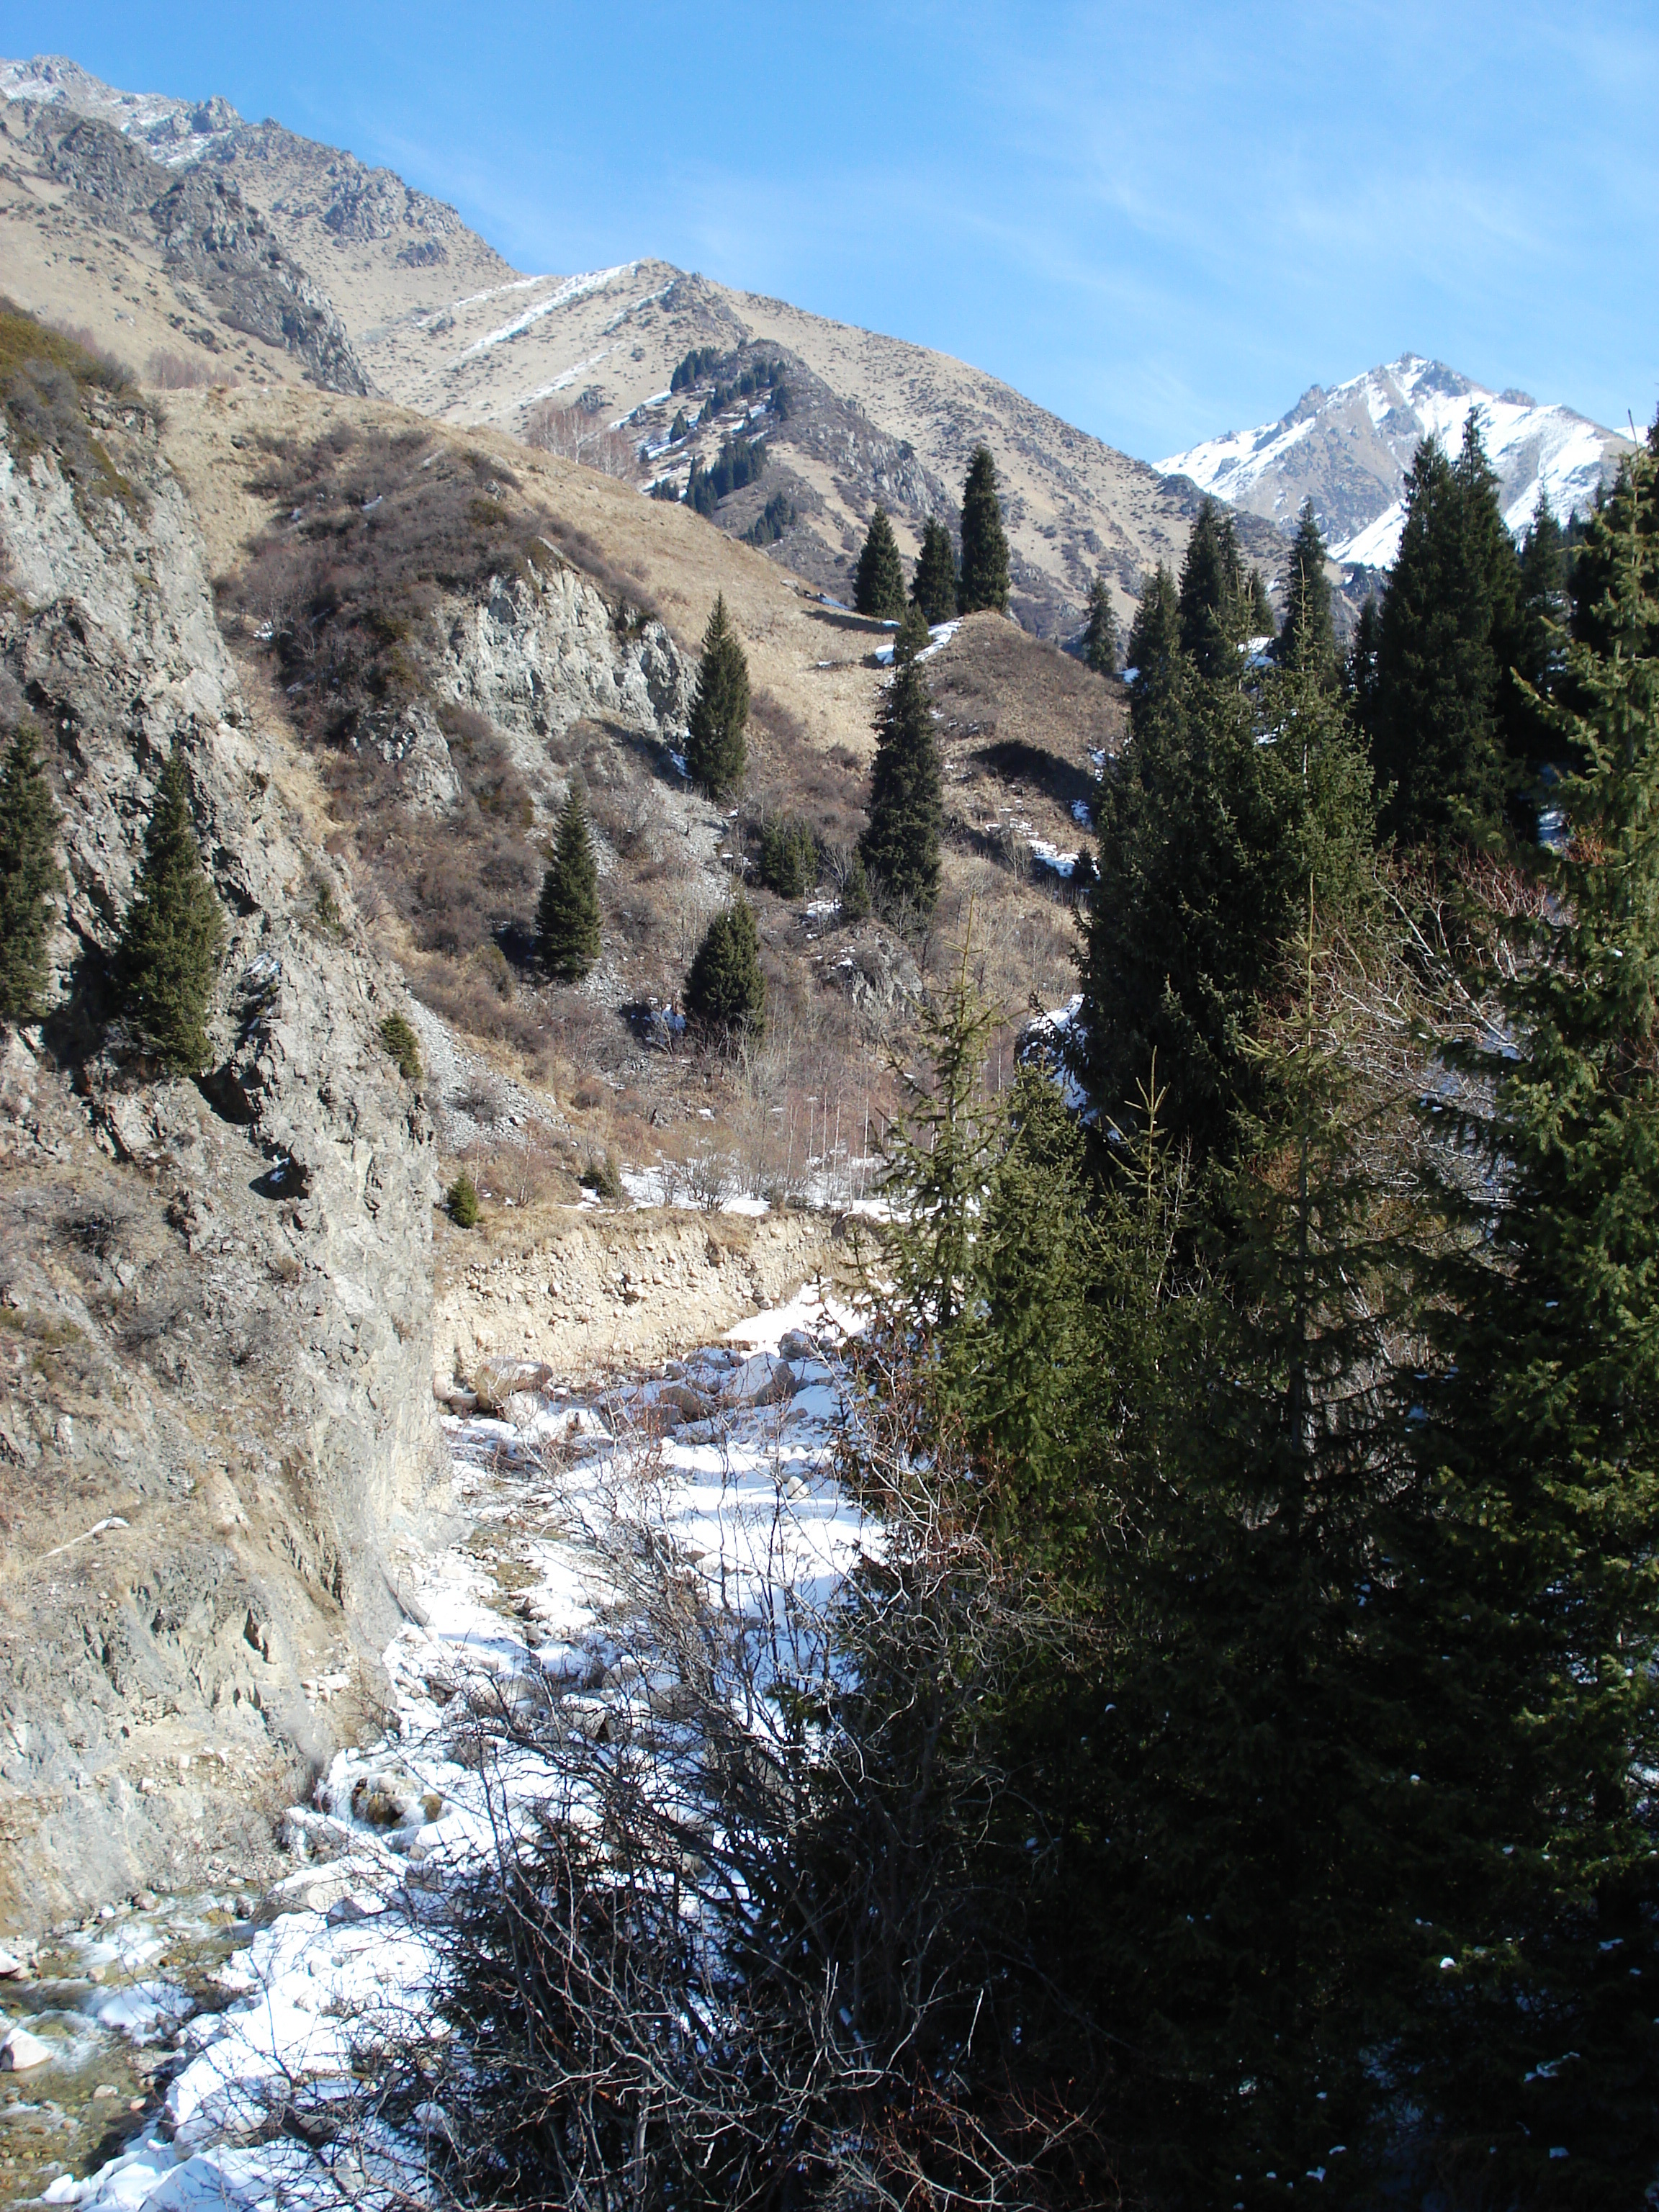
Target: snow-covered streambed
(726,1455)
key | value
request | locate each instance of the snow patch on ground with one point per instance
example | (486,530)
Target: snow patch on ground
(744,1493)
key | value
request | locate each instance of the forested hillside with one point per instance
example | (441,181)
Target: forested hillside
(1233,1782)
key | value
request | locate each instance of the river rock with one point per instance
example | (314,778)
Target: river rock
(20,2051)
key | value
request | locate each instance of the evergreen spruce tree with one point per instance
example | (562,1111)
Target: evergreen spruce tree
(1208,831)
(900,846)
(169,954)
(1251,1945)
(912,637)
(29,876)
(1214,600)
(984,581)
(1306,633)
(1436,736)
(567,917)
(1100,632)
(1157,680)
(1536,646)
(879,586)
(724,989)
(938,1157)
(1535,1590)
(715,753)
(933,588)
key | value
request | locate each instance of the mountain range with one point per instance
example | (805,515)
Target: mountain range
(433,316)
(182,230)
(1349,450)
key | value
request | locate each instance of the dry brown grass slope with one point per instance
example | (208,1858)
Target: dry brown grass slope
(443,324)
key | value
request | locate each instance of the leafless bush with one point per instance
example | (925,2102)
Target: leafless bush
(744,1950)
(573,435)
(178,372)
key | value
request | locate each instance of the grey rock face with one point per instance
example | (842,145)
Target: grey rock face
(209,234)
(215,1343)
(537,656)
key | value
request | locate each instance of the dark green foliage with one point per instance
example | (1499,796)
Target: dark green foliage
(984,581)
(1216,600)
(169,955)
(779,401)
(854,891)
(900,848)
(680,429)
(1218,809)
(774,518)
(1155,656)
(666,490)
(912,635)
(715,751)
(1306,633)
(789,856)
(737,463)
(1451,600)
(29,876)
(695,367)
(1537,1598)
(879,586)
(1100,631)
(603,1177)
(567,917)
(462,1201)
(933,587)
(401,1046)
(1537,647)
(938,1159)
(724,990)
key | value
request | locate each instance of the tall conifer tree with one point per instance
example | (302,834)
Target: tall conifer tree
(724,986)
(29,876)
(169,955)
(1159,668)
(933,588)
(984,581)
(715,750)
(1100,631)
(900,846)
(1306,633)
(1208,830)
(1436,736)
(1532,1606)
(879,586)
(567,917)
(1215,597)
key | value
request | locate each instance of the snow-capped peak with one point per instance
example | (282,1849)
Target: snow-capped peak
(1348,449)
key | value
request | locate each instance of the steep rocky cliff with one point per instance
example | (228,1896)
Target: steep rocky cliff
(214,1296)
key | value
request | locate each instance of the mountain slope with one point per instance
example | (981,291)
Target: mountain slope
(1349,450)
(441,323)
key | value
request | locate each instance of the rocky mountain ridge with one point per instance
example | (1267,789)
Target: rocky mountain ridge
(440,322)
(214,1297)
(1349,450)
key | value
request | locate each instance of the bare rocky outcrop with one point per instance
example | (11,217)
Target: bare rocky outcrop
(214,1297)
(216,249)
(541,652)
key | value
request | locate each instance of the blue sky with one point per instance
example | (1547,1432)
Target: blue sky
(1162,223)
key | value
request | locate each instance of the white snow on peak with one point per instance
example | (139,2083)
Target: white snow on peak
(572,287)
(1349,449)
(174,132)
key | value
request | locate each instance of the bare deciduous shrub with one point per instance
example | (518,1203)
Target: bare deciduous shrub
(178,372)
(748,1945)
(574,433)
